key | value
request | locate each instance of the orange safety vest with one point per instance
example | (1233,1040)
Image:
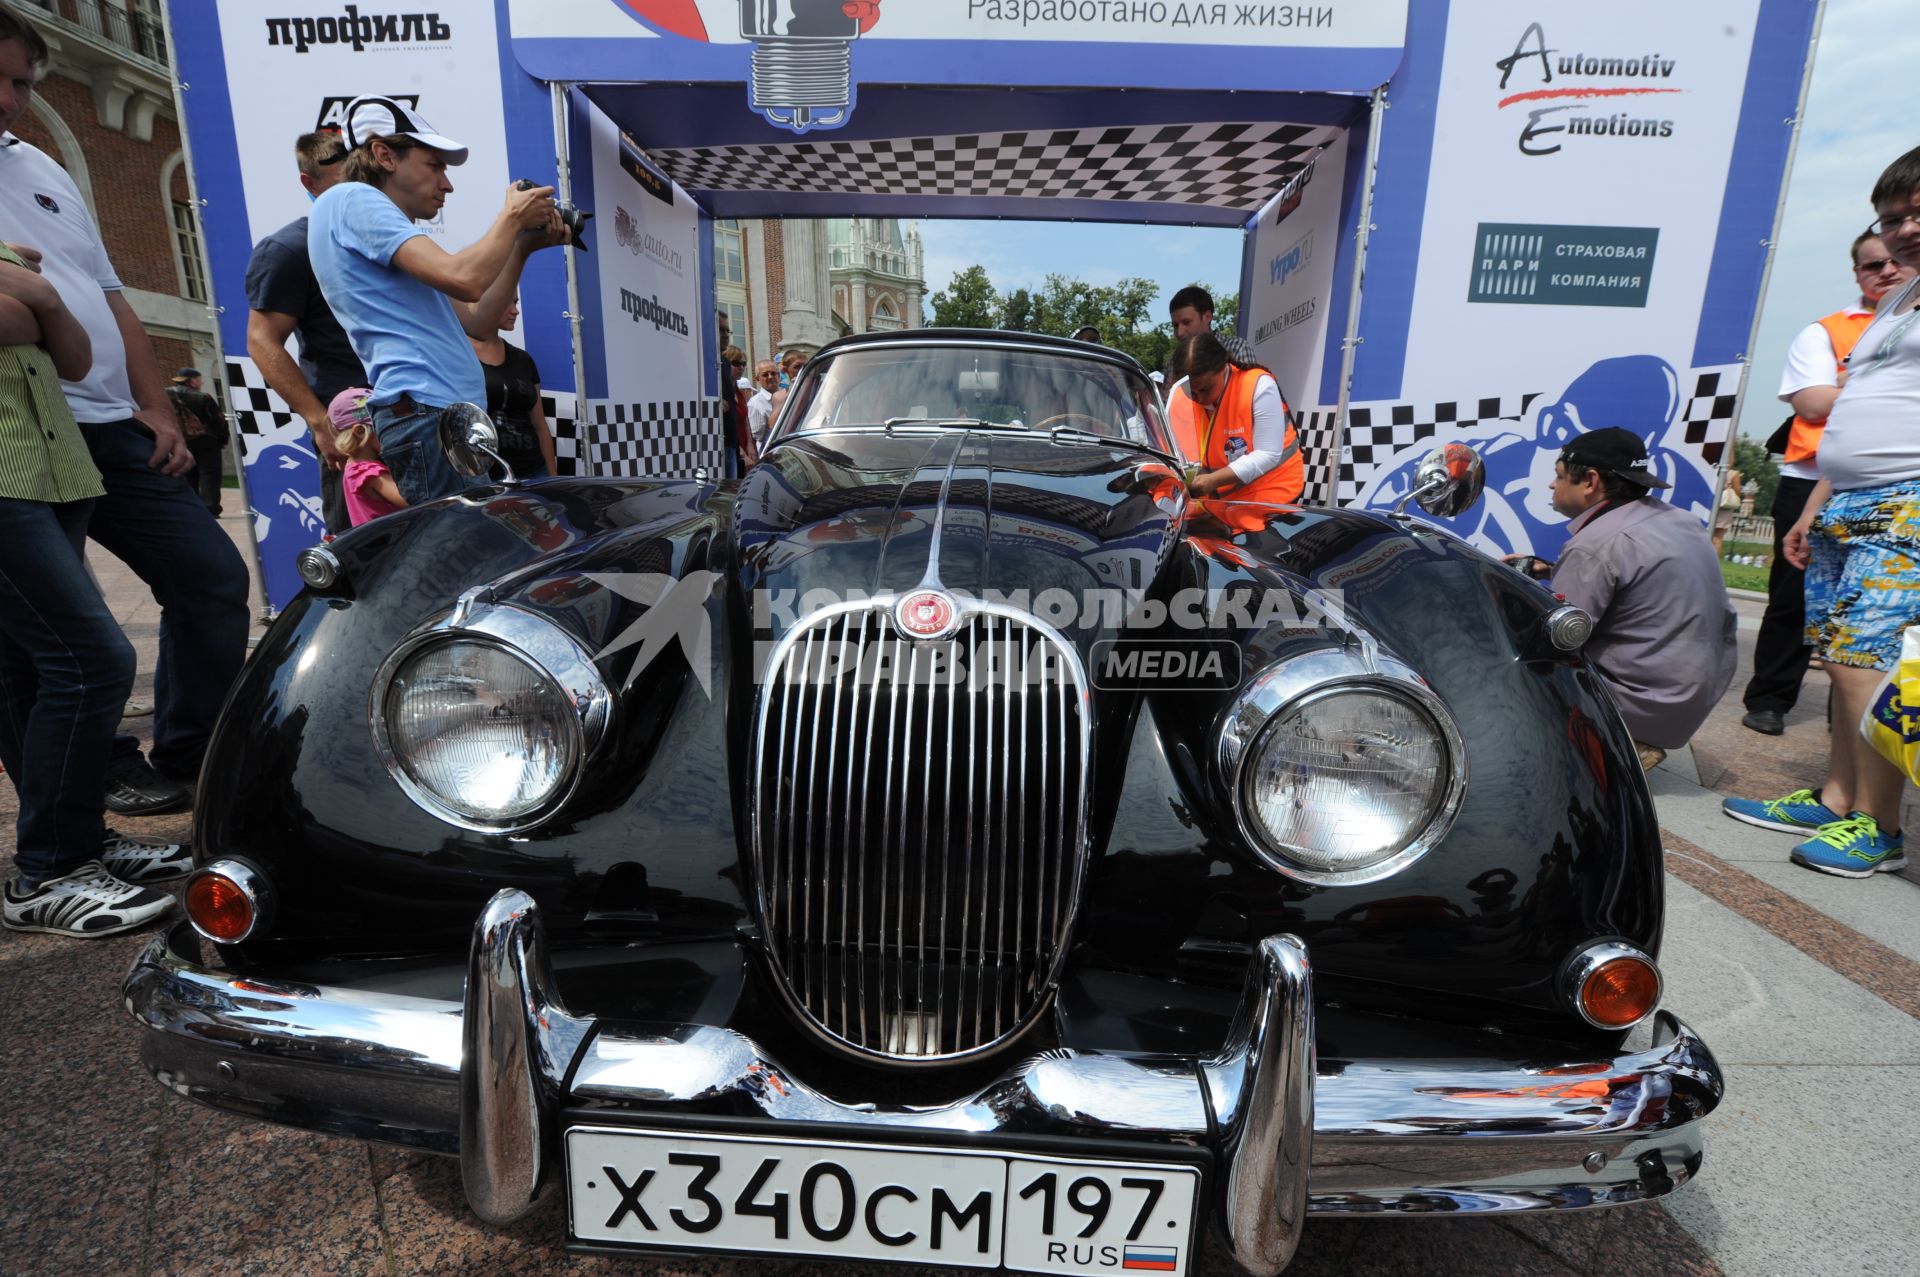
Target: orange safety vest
(1226,434)
(1843,330)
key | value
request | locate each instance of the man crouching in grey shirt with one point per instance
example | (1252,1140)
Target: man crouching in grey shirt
(1663,630)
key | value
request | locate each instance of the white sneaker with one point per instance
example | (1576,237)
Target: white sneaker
(85,903)
(143,860)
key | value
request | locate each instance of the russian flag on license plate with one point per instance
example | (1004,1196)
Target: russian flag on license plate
(1151,1258)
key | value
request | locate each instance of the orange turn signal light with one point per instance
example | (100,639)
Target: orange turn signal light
(219,908)
(1620,992)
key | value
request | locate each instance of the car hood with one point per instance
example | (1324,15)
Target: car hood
(979,513)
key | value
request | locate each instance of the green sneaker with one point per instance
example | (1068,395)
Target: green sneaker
(1800,810)
(1852,848)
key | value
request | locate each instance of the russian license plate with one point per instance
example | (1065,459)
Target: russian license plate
(966,1209)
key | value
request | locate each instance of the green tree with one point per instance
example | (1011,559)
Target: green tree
(1754,462)
(1016,311)
(1153,348)
(1064,305)
(1123,313)
(968,301)
(1226,313)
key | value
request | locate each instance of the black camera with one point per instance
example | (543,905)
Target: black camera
(574,219)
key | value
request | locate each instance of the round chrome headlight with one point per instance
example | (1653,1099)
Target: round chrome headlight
(1342,772)
(479,731)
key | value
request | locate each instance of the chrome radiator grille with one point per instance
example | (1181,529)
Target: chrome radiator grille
(918,826)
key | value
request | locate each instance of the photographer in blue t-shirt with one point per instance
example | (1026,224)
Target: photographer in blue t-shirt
(408,305)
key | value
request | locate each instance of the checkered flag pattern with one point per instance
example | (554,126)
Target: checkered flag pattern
(1377,433)
(1707,418)
(561,411)
(257,408)
(1319,436)
(661,440)
(1223,165)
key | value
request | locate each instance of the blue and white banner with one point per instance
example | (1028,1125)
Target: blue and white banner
(255,77)
(646,296)
(1570,234)
(1287,292)
(799,63)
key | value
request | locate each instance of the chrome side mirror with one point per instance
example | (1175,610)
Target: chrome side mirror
(472,444)
(1447,482)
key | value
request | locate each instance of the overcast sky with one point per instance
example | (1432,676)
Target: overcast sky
(1863,110)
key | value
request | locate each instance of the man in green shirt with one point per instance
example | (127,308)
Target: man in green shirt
(65,666)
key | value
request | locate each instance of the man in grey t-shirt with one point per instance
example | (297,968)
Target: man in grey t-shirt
(1663,630)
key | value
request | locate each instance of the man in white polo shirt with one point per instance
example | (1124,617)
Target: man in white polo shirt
(407,305)
(149,518)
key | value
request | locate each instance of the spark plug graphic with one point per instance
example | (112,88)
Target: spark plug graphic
(803,58)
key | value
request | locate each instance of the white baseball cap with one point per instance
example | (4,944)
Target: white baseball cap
(369,118)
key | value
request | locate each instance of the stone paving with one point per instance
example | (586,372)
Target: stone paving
(101,1171)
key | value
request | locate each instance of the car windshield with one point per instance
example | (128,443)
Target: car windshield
(1010,387)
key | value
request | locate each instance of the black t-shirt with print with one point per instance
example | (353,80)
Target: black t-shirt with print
(513,391)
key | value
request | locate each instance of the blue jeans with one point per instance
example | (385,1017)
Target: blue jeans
(410,445)
(156,525)
(65,671)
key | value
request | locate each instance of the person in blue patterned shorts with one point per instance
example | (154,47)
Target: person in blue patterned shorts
(1859,540)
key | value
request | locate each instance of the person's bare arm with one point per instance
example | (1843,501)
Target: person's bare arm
(466,276)
(482,319)
(170,455)
(1814,402)
(35,315)
(66,341)
(19,326)
(386,489)
(541,432)
(1797,545)
(267,333)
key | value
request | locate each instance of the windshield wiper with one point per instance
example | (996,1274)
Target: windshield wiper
(1073,434)
(954,423)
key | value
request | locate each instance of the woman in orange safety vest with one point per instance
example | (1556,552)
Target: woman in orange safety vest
(1233,422)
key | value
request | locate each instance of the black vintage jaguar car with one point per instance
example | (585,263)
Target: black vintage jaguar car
(949,844)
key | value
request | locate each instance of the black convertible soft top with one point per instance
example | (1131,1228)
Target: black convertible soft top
(975,336)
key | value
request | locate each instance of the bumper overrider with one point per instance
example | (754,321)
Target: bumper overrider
(495,1080)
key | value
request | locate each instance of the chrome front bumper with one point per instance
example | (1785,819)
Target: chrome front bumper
(490,1081)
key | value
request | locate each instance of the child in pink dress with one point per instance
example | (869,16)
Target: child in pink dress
(369,486)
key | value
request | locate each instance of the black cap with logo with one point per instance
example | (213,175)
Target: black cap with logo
(1616,452)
